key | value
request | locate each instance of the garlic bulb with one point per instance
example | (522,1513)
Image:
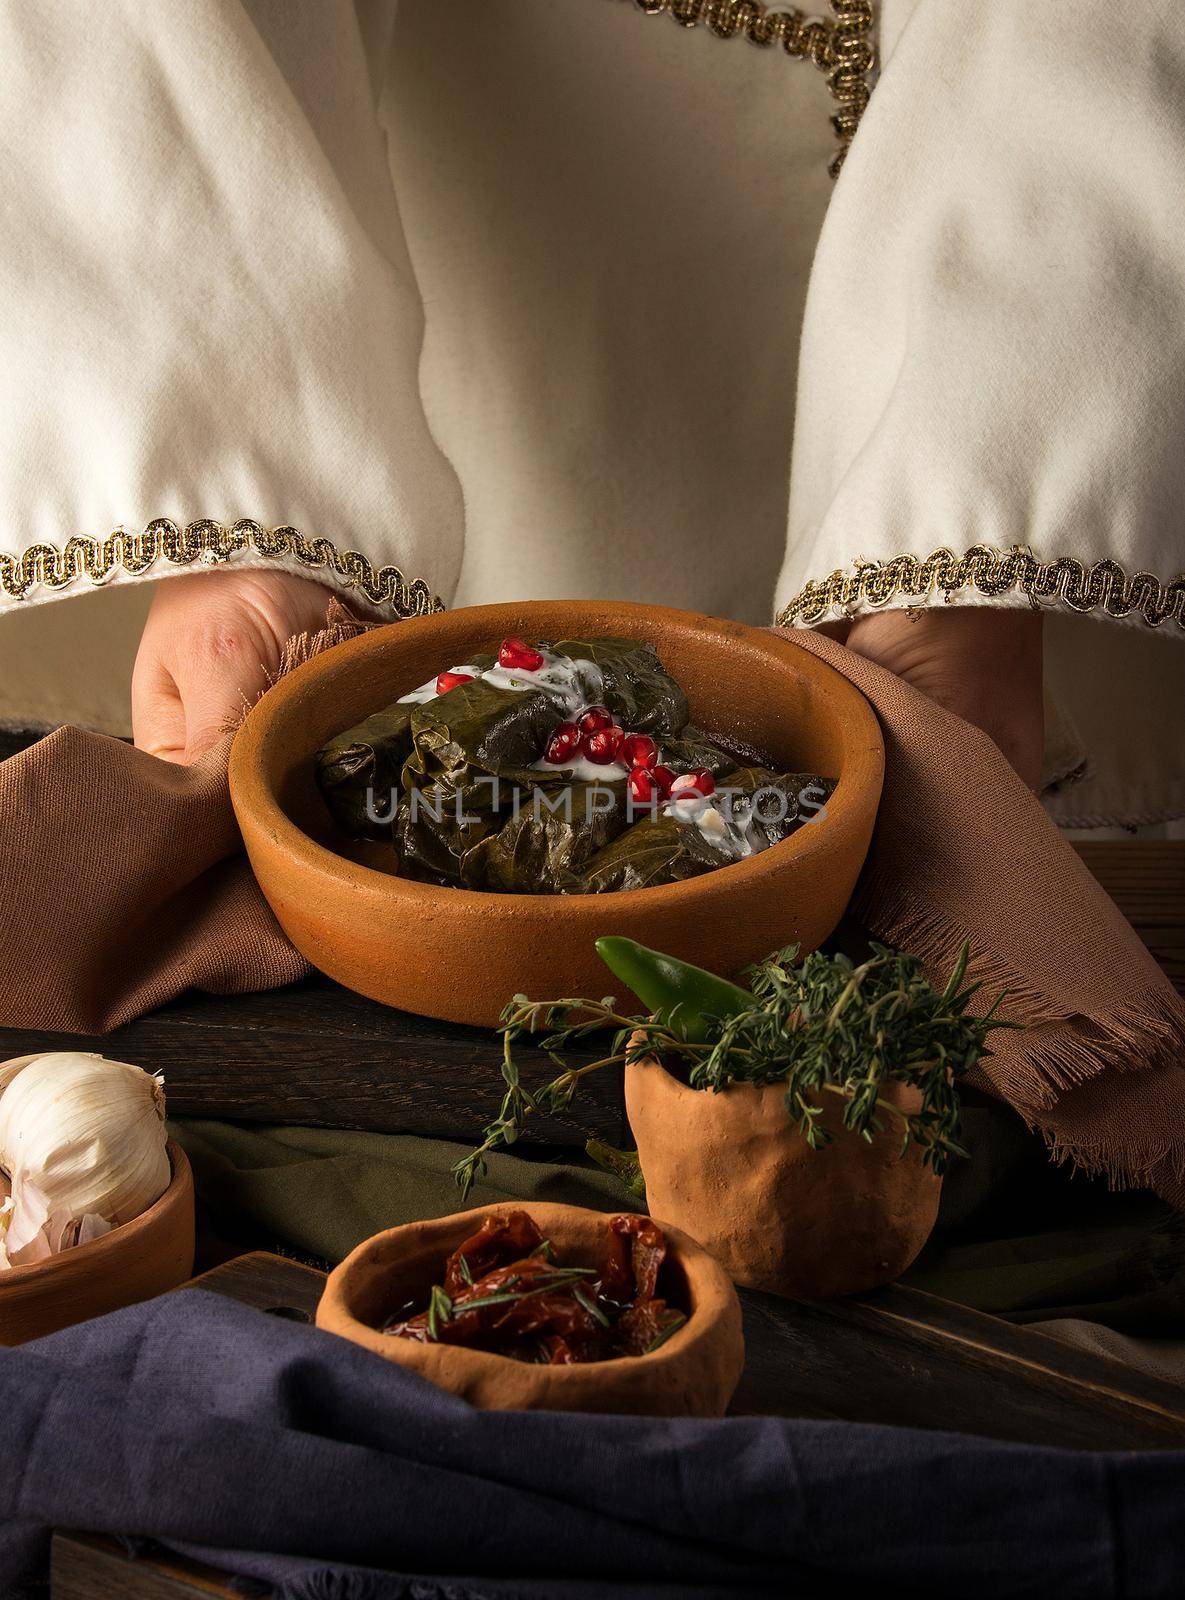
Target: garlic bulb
(80,1137)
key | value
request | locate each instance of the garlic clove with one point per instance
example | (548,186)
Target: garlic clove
(27,1220)
(9,1069)
(81,1136)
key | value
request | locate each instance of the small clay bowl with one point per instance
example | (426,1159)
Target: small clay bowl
(140,1259)
(459,955)
(809,1224)
(693,1374)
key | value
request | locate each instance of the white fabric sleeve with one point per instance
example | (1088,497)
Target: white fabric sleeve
(210,331)
(991,397)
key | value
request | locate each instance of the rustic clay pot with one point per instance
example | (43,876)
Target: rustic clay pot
(732,1170)
(693,1374)
(143,1258)
(460,955)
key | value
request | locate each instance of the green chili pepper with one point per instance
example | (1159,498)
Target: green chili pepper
(684,997)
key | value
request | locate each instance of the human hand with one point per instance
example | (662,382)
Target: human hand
(211,643)
(982,662)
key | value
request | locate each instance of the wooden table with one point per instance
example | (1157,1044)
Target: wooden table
(896,1356)
(315,1054)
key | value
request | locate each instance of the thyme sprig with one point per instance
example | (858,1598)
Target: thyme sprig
(824,1026)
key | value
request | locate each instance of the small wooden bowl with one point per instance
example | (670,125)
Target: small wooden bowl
(143,1258)
(459,955)
(693,1374)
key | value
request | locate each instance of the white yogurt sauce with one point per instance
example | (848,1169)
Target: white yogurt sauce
(582,770)
(735,838)
(570,684)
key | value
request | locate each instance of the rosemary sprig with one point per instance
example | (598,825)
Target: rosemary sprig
(442,1309)
(590,1305)
(664,1333)
(822,1026)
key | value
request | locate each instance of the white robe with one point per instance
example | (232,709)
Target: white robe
(509,295)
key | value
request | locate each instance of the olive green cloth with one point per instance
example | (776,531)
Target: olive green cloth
(1016,1237)
(1023,1239)
(321,1191)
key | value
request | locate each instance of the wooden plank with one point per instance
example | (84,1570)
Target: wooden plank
(86,1567)
(266,1282)
(906,1359)
(316,1055)
(1146,879)
(898,1357)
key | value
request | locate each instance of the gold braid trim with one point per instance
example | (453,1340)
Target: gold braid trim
(209,544)
(1102,586)
(842,48)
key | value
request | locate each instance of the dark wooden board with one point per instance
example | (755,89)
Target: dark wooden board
(1146,879)
(86,1567)
(897,1357)
(316,1055)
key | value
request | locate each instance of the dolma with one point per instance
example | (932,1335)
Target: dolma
(694,748)
(483,800)
(752,809)
(642,696)
(370,756)
(434,831)
(358,771)
(778,804)
(463,741)
(475,732)
(556,831)
(659,849)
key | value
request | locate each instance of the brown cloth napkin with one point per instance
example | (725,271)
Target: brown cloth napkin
(122,884)
(963,850)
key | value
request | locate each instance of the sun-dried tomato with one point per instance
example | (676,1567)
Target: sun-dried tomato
(505,1292)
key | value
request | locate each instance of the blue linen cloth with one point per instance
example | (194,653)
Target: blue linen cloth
(295,1459)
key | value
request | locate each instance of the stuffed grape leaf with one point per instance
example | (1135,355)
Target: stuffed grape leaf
(475,732)
(752,808)
(642,696)
(358,771)
(694,748)
(555,832)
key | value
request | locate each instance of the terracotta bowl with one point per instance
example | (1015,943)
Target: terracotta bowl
(458,954)
(143,1258)
(693,1374)
(809,1224)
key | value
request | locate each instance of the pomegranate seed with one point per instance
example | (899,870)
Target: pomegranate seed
(642,786)
(639,749)
(594,719)
(450,680)
(563,744)
(520,655)
(698,782)
(664,778)
(602,745)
